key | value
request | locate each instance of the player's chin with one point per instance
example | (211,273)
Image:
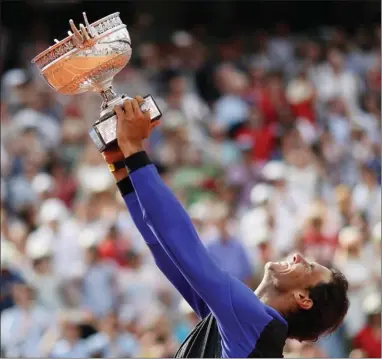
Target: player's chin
(271,267)
(269,270)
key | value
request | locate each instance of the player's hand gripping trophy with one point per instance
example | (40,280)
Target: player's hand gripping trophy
(87,60)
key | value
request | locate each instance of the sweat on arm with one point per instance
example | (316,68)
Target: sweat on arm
(162,260)
(240,315)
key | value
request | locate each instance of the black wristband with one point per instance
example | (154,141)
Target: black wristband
(116,165)
(125,186)
(137,161)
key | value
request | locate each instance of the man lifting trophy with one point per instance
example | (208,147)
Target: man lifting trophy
(87,60)
(296,299)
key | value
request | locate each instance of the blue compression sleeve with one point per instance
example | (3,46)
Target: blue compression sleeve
(241,316)
(163,261)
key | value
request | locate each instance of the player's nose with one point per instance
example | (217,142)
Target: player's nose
(298,258)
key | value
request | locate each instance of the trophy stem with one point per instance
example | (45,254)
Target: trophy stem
(108,95)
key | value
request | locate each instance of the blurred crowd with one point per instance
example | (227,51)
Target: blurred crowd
(272,143)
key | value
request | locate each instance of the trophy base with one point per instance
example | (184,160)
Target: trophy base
(104,131)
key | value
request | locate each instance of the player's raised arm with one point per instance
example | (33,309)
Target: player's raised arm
(231,302)
(163,261)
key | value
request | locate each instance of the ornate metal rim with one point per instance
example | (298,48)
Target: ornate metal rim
(66,45)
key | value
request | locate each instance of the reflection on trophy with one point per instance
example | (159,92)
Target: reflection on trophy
(87,60)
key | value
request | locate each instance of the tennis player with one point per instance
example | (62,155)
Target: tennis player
(296,298)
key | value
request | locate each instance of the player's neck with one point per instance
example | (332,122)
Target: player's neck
(271,297)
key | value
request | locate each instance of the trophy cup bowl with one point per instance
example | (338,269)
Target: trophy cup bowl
(88,60)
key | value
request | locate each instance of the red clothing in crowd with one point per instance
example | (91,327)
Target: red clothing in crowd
(304,109)
(270,103)
(369,342)
(65,189)
(300,94)
(115,250)
(318,245)
(263,141)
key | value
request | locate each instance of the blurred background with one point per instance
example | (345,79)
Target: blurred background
(270,138)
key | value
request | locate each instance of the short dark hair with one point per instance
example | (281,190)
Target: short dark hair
(330,305)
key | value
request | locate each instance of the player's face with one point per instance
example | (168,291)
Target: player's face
(296,273)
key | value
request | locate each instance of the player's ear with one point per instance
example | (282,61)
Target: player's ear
(302,299)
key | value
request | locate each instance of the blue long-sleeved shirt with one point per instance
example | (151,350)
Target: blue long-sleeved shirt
(240,315)
(163,261)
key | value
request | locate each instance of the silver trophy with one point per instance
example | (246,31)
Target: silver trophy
(87,60)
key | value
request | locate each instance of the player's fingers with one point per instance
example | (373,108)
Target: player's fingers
(136,109)
(128,107)
(147,116)
(119,112)
(140,99)
(146,113)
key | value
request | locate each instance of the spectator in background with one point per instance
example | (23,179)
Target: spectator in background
(281,47)
(227,251)
(139,288)
(178,97)
(23,325)
(245,173)
(230,109)
(300,94)
(111,341)
(8,277)
(283,206)
(99,277)
(302,176)
(343,208)
(69,343)
(222,149)
(350,261)
(271,100)
(259,216)
(314,242)
(336,81)
(262,136)
(113,247)
(338,122)
(46,285)
(65,185)
(59,234)
(368,339)
(367,195)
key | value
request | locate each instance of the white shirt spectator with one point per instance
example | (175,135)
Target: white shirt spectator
(369,123)
(139,287)
(369,200)
(359,277)
(230,110)
(21,330)
(46,126)
(330,85)
(63,349)
(339,127)
(99,278)
(47,289)
(302,184)
(124,345)
(284,209)
(64,243)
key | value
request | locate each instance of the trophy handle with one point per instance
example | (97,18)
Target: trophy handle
(108,95)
